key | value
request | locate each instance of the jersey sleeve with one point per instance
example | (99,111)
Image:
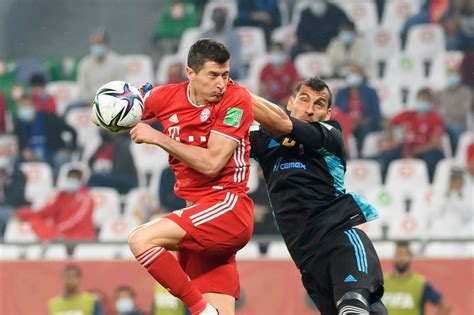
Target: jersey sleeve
(431,294)
(318,135)
(235,117)
(151,101)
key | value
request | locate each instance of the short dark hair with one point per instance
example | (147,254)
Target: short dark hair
(72,267)
(404,244)
(74,172)
(37,79)
(206,49)
(425,91)
(348,25)
(125,288)
(316,84)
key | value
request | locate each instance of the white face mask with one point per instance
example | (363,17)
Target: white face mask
(26,113)
(4,162)
(277,58)
(124,305)
(354,79)
(72,185)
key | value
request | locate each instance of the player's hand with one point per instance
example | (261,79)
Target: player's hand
(145,88)
(144,133)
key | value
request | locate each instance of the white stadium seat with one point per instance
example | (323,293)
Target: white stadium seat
(363,13)
(405,69)
(139,69)
(252,43)
(426,40)
(230,6)
(390,98)
(407,176)
(187,39)
(34,252)
(449,250)
(63,92)
(117,229)
(278,250)
(163,67)
(106,204)
(437,72)
(373,229)
(313,63)
(252,82)
(55,252)
(10,252)
(148,158)
(372,144)
(362,175)
(284,34)
(389,205)
(139,204)
(87,132)
(9,141)
(396,12)
(39,179)
(250,251)
(95,251)
(384,44)
(408,226)
(300,6)
(123,252)
(20,232)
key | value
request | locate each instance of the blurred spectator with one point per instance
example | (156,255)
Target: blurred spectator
(407,292)
(344,120)
(99,67)
(42,100)
(260,13)
(416,134)
(346,49)
(74,301)
(7,80)
(3,113)
(68,216)
(125,301)
(40,135)
(467,69)
(264,222)
(459,26)
(166,304)
(167,198)
(360,103)
(175,17)
(454,103)
(470,160)
(176,73)
(224,32)
(12,186)
(328,17)
(279,76)
(112,163)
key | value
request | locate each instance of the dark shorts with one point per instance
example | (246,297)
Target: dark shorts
(343,262)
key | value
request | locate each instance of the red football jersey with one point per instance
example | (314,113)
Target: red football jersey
(191,124)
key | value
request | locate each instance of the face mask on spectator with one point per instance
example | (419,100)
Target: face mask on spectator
(4,162)
(26,113)
(277,58)
(98,50)
(347,37)
(72,185)
(219,20)
(354,79)
(422,106)
(453,80)
(124,305)
(319,8)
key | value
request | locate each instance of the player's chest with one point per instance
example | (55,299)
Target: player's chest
(189,124)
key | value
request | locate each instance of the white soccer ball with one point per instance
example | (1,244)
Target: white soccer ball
(117,106)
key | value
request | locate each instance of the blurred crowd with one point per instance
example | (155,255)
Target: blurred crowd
(45,124)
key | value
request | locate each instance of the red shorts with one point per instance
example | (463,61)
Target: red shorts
(216,228)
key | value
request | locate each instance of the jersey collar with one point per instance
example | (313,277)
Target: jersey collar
(188,95)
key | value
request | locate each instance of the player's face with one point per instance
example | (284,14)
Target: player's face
(403,258)
(71,280)
(310,105)
(210,83)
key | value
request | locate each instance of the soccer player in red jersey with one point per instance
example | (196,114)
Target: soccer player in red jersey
(206,132)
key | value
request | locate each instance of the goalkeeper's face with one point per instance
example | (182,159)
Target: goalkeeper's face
(309,105)
(210,82)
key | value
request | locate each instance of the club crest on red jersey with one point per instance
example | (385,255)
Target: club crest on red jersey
(206,112)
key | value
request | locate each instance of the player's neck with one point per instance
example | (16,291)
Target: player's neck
(193,98)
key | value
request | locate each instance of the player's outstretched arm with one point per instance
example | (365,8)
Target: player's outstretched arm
(208,161)
(270,115)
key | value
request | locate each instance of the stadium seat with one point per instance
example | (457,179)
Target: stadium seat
(383,44)
(363,13)
(352,147)
(139,69)
(284,12)
(426,40)
(362,175)
(250,251)
(106,204)
(116,229)
(33,252)
(372,144)
(284,34)
(388,204)
(446,144)
(230,6)
(464,141)
(252,82)
(123,252)
(437,72)
(55,252)
(65,168)
(278,250)
(163,67)
(313,63)
(11,252)
(449,250)
(396,12)
(405,70)
(87,132)
(95,252)
(139,203)
(408,226)
(64,92)
(373,229)
(390,98)
(441,175)
(19,232)
(39,179)
(335,85)
(407,177)
(299,6)
(252,43)
(9,141)
(187,39)
(148,159)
